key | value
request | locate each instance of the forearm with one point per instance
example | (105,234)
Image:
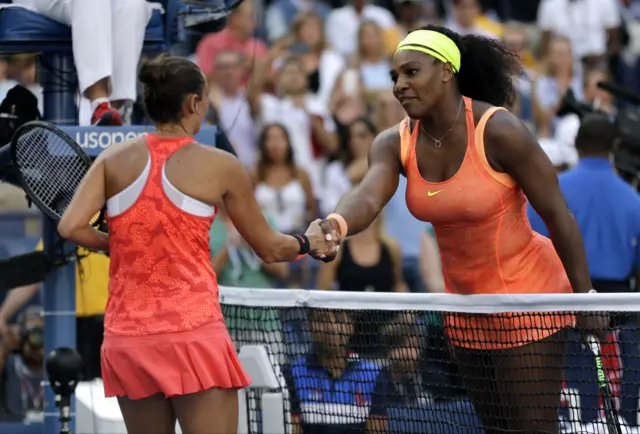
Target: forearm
(16,299)
(284,248)
(87,237)
(359,209)
(567,240)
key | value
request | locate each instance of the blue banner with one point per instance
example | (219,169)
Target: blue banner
(96,139)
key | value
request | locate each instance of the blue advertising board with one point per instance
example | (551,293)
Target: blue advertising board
(96,139)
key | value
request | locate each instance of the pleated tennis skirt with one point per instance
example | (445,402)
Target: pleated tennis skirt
(173,364)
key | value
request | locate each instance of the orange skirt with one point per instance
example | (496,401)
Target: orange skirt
(504,330)
(171,363)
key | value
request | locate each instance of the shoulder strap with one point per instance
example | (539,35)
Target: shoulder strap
(405,141)
(482,123)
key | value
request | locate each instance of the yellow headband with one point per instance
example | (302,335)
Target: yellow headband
(434,44)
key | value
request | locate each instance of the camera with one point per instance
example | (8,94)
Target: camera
(627,122)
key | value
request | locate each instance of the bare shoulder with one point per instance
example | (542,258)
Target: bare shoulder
(504,124)
(387,144)
(122,153)
(217,161)
(117,149)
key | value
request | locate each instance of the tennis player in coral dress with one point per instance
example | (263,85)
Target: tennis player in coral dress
(166,351)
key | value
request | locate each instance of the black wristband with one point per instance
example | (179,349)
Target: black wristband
(303,240)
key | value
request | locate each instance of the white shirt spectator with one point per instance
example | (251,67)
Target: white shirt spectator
(343,23)
(336,185)
(236,121)
(297,121)
(583,22)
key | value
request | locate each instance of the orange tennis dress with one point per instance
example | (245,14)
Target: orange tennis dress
(486,243)
(164,329)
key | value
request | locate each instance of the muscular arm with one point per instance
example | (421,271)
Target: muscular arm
(361,206)
(512,149)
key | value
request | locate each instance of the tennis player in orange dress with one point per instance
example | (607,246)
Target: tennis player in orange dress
(470,166)
(166,351)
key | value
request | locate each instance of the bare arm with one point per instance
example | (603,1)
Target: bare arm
(361,206)
(15,300)
(87,201)
(512,148)
(247,217)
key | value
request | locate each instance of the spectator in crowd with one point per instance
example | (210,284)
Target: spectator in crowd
(310,127)
(20,69)
(467,19)
(236,264)
(233,111)
(107,42)
(412,14)
(430,265)
(592,26)
(342,174)
(598,98)
(372,61)
(281,15)
(387,112)
(367,262)
(606,208)
(550,87)
(321,64)
(237,37)
(21,366)
(343,24)
(284,192)
(332,390)
(515,39)
(415,377)
(92,291)
(282,188)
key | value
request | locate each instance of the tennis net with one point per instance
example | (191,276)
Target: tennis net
(341,362)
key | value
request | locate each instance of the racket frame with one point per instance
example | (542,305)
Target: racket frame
(75,147)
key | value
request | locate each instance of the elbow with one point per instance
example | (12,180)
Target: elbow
(66,229)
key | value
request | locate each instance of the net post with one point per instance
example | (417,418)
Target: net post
(59,320)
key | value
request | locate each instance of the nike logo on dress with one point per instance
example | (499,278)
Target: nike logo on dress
(433,193)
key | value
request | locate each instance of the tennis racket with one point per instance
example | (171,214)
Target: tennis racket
(49,165)
(610,411)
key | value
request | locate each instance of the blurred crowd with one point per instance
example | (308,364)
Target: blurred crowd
(300,89)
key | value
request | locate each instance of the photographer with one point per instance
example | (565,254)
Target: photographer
(21,360)
(607,209)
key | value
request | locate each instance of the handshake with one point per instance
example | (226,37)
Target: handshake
(324,239)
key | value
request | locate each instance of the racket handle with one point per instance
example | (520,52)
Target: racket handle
(594,344)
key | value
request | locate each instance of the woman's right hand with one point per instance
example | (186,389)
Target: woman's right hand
(324,239)
(323,245)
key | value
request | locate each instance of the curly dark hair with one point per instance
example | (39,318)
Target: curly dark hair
(487,67)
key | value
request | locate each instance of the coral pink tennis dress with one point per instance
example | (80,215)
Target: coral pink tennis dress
(164,330)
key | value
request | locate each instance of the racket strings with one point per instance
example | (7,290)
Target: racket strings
(50,168)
